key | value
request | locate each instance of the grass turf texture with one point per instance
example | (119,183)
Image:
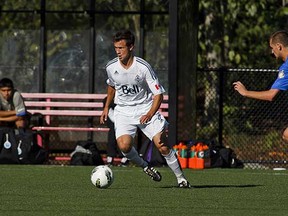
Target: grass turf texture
(67,190)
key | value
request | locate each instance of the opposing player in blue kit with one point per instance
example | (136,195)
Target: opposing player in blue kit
(279,45)
(137,93)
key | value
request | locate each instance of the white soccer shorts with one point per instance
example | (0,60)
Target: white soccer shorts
(126,122)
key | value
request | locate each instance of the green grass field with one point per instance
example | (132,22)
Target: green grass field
(67,190)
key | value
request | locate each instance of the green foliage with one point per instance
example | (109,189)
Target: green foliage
(235,33)
(20,4)
(75,5)
(209,132)
(271,140)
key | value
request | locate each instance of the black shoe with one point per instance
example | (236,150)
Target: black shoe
(153,173)
(184,184)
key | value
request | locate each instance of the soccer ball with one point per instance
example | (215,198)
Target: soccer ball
(102,176)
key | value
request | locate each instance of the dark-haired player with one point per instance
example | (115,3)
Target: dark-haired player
(278,42)
(131,84)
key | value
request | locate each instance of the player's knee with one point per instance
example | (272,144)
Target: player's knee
(125,148)
(160,141)
(124,144)
(164,150)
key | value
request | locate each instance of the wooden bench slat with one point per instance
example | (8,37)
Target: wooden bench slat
(74,96)
(48,128)
(164,106)
(165,114)
(92,113)
(67,112)
(63,104)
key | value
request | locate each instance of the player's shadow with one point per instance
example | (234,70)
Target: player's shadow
(218,186)
(227,186)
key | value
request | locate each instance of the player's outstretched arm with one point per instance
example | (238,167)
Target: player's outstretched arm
(260,95)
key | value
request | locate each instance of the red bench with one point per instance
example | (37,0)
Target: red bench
(65,104)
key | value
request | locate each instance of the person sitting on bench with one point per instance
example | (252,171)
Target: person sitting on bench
(12,108)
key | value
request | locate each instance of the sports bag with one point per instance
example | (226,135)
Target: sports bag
(19,146)
(225,158)
(86,153)
(8,147)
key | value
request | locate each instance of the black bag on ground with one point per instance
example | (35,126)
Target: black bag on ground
(224,157)
(86,153)
(38,154)
(8,147)
(29,152)
(19,146)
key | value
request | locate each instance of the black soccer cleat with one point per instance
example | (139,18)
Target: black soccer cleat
(184,184)
(153,173)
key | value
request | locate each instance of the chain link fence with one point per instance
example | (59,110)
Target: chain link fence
(252,128)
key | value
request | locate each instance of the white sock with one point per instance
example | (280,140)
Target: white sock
(124,160)
(135,158)
(109,159)
(174,165)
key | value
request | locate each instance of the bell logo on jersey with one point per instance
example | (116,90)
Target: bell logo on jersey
(134,89)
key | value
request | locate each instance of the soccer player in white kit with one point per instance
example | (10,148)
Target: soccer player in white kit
(131,84)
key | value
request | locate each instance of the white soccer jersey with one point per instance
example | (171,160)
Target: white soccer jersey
(134,85)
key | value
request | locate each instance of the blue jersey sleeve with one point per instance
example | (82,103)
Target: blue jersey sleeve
(281,82)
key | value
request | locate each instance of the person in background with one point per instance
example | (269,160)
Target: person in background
(137,93)
(278,42)
(12,107)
